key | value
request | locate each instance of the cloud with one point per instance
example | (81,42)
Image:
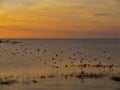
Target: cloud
(29,29)
(32,32)
(102,14)
(17,27)
(117,1)
(94,22)
(18,5)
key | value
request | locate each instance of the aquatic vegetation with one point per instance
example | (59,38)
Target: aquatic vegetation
(115,78)
(68,76)
(34,81)
(91,75)
(7,81)
(50,76)
(42,77)
(8,41)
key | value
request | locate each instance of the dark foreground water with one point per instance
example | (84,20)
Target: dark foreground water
(60,64)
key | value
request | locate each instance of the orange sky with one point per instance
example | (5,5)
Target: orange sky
(59,19)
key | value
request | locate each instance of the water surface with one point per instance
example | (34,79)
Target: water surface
(59,64)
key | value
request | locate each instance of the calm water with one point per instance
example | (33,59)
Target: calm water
(57,64)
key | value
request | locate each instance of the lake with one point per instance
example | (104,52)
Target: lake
(60,64)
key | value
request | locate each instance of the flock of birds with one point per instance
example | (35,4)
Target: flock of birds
(74,59)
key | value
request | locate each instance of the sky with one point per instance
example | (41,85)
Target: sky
(59,18)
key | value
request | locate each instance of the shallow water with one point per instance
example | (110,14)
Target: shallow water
(54,64)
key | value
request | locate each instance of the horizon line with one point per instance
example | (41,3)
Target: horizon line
(58,38)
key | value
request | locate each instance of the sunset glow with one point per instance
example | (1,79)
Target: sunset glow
(59,19)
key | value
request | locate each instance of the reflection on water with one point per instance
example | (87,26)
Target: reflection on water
(59,64)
